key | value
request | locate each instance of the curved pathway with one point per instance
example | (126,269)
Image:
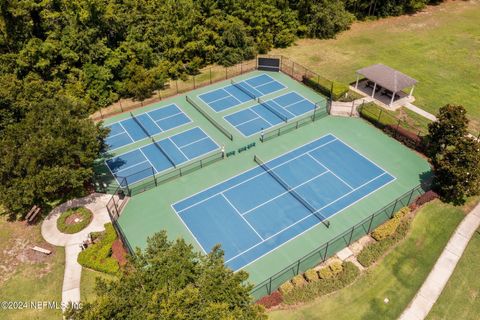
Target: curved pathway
(73,270)
(433,286)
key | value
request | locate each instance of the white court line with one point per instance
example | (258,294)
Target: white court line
(308,229)
(251,178)
(133,165)
(238,125)
(286,192)
(320,163)
(193,235)
(277,125)
(164,118)
(311,214)
(213,101)
(114,135)
(273,101)
(186,145)
(155,122)
(251,108)
(148,159)
(236,210)
(128,134)
(179,149)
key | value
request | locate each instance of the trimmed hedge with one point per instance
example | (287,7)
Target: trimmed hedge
(286,287)
(311,275)
(336,267)
(325,273)
(76,227)
(298,281)
(374,251)
(315,289)
(98,255)
(388,228)
(325,87)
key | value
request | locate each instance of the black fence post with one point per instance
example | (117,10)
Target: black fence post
(393,209)
(193,77)
(326,250)
(154,178)
(351,236)
(226,73)
(176,85)
(210,75)
(370,224)
(411,195)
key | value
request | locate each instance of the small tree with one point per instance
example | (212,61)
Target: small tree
(451,126)
(170,281)
(454,155)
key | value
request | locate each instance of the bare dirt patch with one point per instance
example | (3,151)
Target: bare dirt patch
(16,250)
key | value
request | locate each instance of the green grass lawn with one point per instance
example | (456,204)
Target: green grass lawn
(28,276)
(397,277)
(87,284)
(461,297)
(437,47)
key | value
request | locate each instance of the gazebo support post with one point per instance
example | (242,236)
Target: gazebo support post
(374,88)
(411,91)
(356,83)
(393,97)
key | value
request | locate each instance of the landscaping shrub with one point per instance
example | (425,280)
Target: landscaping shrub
(286,287)
(315,289)
(298,280)
(98,255)
(325,273)
(86,216)
(325,87)
(272,300)
(374,251)
(389,227)
(408,138)
(311,275)
(336,266)
(426,197)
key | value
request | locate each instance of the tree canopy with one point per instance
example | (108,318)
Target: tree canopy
(454,155)
(61,59)
(169,280)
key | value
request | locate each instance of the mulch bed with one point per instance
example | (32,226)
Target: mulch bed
(119,253)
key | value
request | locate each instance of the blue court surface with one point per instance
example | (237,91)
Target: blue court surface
(137,165)
(252,213)
(259,117)
(243,91)
(154,122)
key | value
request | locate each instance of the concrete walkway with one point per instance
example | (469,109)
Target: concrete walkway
(420,111)
(73,270)
(433,286)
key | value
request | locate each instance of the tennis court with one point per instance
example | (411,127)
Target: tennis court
(270,113)
(261,209)
(161,155)
(141,126)
(239,92)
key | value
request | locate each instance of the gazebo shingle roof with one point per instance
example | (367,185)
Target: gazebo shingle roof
(387,77)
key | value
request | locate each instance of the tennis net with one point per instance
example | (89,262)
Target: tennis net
(291,191)
(164,153)
(275,112)
(244,90)
(209,118)
(139,124)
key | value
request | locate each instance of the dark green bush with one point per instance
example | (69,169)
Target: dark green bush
(321,287)
(86,216)
(98,256)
